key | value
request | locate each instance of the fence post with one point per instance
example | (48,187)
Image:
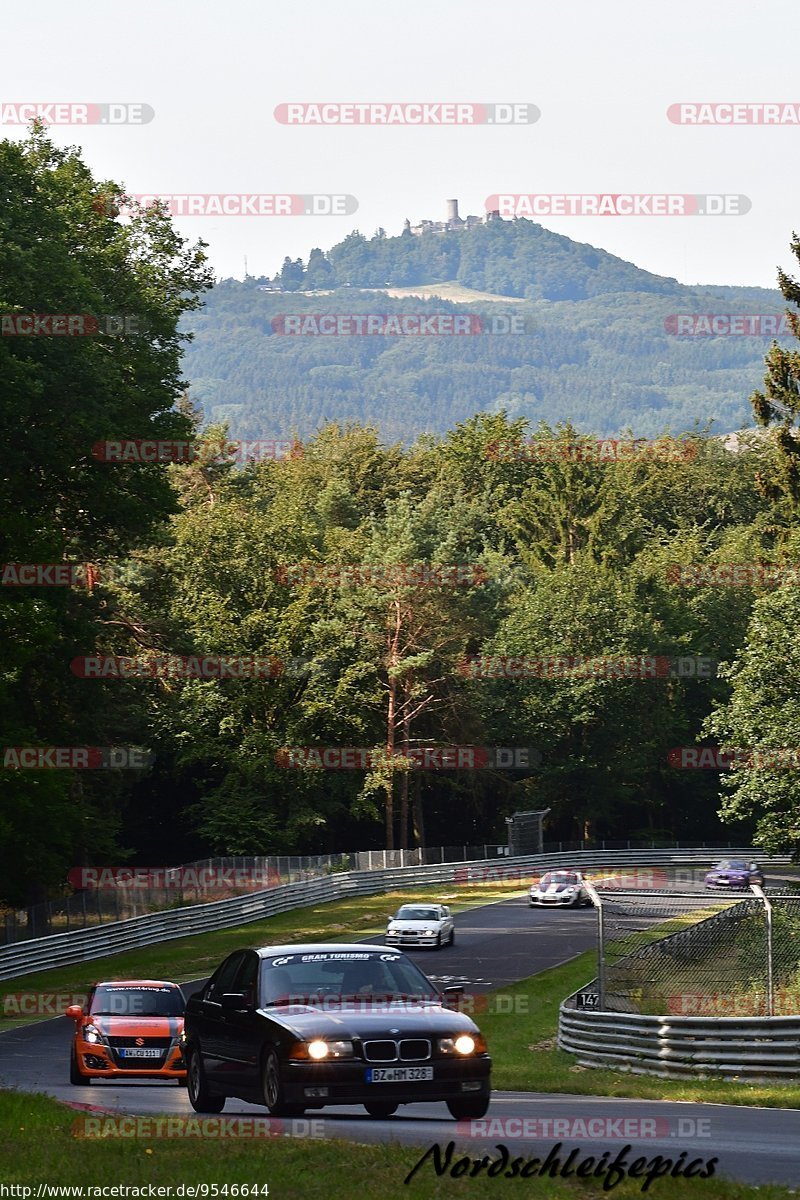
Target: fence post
(770,988)
(601,957)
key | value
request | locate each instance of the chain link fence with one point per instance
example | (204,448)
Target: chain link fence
(698,952)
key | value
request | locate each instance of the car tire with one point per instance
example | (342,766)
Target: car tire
(200,1098)
(272,1089)
(438,945)
(380,1109)
(452,941)
(76,1075)
(469,1108)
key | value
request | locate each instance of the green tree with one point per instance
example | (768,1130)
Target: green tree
(63,250)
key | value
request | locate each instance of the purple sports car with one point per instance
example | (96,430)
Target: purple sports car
(734,873)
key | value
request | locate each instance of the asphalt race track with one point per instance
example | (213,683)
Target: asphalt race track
(495,945)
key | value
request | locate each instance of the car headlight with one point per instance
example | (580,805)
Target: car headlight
(429,932)
(463,1043)
(92,1034)
(319,1049)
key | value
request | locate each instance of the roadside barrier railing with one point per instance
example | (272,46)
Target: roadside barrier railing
(82,945)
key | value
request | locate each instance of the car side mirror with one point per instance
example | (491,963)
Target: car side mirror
(74,1012)
(234,1001)
(451,995)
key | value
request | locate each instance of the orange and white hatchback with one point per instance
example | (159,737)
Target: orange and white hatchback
(128,1028)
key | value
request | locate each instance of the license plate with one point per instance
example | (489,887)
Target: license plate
(139,1052)
(398,1074)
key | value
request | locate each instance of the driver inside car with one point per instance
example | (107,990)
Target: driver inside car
(363,979)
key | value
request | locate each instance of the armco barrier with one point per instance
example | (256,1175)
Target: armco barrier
(81,945)
(720,1047)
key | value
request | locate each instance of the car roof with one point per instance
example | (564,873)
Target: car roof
(318,948)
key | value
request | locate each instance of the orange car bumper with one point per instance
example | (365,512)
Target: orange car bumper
(97,1062)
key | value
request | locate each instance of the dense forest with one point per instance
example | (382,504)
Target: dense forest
(564,554)
(599,345)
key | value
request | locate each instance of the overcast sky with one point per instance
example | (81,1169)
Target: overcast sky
(603,77)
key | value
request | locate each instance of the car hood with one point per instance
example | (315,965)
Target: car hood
(552,889)
(414,924)
(351,1021)
(159,1027)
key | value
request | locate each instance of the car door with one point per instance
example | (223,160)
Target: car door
(243,1029)
(447,927)
(214,1032)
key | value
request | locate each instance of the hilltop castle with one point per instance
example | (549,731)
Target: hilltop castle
(452,224)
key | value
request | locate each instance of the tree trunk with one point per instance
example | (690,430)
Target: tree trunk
(390,719)
(418,817)
(404,792)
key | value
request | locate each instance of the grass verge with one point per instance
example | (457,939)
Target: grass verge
(38,1145)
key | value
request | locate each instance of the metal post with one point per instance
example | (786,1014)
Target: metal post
(601,958)
(770,988)
(770,984)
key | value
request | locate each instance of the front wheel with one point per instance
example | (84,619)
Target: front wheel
(272,1089)
(468,1108)
(452,941)
(76,1075)
(200,1098)
(380,1108)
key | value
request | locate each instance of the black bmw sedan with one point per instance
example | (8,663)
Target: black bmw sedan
(301,1027)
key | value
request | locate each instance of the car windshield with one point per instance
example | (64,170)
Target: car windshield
(320,977)
(410,913)
(732,865)
(140,1001)
(559,877)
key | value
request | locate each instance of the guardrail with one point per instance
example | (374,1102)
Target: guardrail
(82,945)
(720,1047)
